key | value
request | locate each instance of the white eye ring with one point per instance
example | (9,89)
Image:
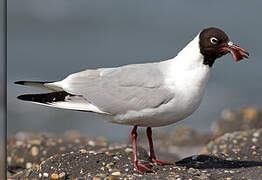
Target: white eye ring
(213,40)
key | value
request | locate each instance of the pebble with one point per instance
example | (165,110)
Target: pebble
(45,174)
(256,134)
(54,176)
(28,165)
(34,151)
(91,143)
(108,153)
(116,173)
(128,150)
(9,159)
(62,174)
(83,151)
(108,166)
(254,140)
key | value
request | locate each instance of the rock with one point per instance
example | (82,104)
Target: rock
(235,155)
(88,164)
(242,145)
(26,150)
(230,121)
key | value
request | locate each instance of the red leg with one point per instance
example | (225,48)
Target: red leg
(152,152)
(139,166)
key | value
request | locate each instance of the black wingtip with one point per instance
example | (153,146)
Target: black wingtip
(25,97)
(45,98)
(20,82)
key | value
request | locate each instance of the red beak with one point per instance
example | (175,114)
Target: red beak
(237,52)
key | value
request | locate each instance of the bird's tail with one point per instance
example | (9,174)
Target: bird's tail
(61,99)
(40,84)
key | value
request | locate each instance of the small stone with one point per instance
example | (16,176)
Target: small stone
(62,174)
(18,143)
(108,166)
(91,143)
(256,134)
(20,160)
(254,140)
(28,165)
(228,178)
(108,153)
(45,174)
(250,113)
(83,151)
(9,159)
(34,151)
(128,150)
(191,170)
(116,173)
(116,158)
(54,176)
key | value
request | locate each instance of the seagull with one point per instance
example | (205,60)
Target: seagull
(142,95)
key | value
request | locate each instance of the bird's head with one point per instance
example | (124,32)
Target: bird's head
(215,43)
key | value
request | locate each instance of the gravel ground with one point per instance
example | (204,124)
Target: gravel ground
(233,151)
(235,155)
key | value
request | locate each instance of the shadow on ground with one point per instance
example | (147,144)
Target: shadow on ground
(213,162)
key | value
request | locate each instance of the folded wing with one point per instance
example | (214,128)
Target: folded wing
(118,90)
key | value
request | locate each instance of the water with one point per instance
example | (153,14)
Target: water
(47,40)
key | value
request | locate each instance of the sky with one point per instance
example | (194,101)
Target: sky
(48,40)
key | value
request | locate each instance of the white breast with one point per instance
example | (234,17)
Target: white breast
(186,76)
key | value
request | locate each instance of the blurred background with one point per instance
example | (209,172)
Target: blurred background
(47,40)
(2,91)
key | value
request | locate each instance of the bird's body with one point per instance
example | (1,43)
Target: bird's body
(149,95)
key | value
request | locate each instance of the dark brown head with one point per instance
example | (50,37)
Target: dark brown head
(215,43)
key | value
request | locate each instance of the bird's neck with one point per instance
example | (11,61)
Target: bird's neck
(190,56)
(187,68)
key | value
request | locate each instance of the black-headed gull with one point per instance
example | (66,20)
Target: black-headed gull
(148,95)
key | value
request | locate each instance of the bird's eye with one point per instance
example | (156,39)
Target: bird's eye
(213,40)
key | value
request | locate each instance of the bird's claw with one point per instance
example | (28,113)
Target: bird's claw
(142,168)
(161,163)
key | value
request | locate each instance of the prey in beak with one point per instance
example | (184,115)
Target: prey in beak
(237,52)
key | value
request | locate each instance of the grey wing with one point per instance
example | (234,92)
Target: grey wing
(118,90)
